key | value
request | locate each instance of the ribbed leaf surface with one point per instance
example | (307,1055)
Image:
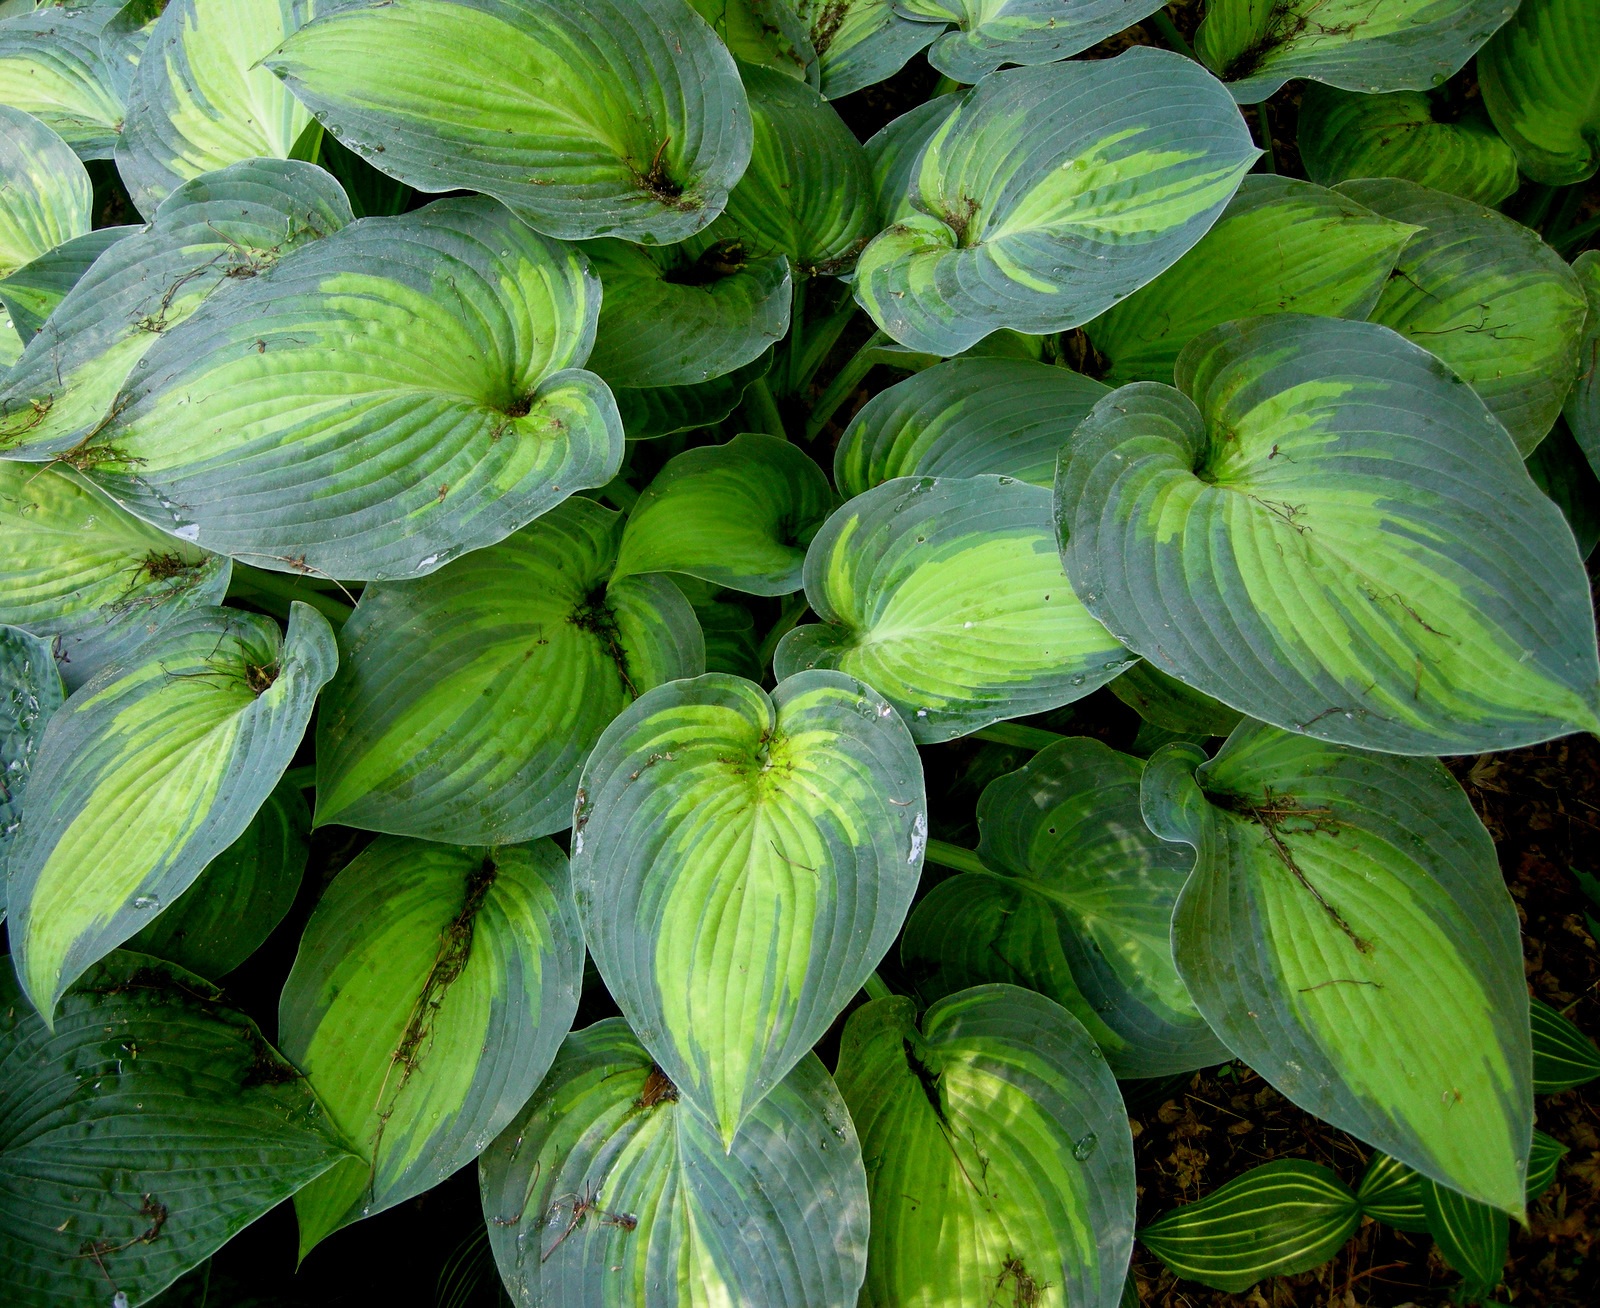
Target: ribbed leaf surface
(1563,1057)
(859,42)
(52,66)
(31,293)
(1582,409)
(46,190)
(769,33)
(1391,1192)
(30,693)
(988,33)
(652,411)
(1540,78)
(1472,1237)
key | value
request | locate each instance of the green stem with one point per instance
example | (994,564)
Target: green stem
(797,337)
(843,386)
(302,778)
(823,338)
(945,85)
(1020,735)
(1264,134)
(761,410)
(308,145)
(876,989)
(951,856)
(1163,26)
(250,581)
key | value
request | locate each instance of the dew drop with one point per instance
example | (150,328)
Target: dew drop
(147,904)
(1085,1147)
(190,531)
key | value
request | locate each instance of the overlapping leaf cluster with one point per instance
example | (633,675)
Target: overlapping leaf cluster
(501,522)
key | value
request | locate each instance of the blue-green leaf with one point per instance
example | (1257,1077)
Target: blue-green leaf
(30,693)
(31,293)
(859,42)
(1582,409)
(53,66)
(1540,78)
(47,192)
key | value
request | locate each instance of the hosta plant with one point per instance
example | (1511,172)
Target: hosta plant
(527,505)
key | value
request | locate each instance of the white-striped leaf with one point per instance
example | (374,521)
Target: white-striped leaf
(467,701)
(1343,135)
(149,772)
(738,515)
(1278,1219)
(769,33)
(1563,1057)
(1051,193)
(587,117)
(1582,410)
(200,100)
(1076,903)
(245,891)
(30,693)
(140,1134)
(45,188)
(1391,1192)
(84,574)
(987,33)
(966,418)
(212,236)
(1473,1237)
(1281,246)
(432,988)
(53,67)
(741,863)
(31,293)
(999,1161)
(1540,78)
(686,313)
(1324,528)
(1488,297)
(1347,933)
(859,42)
(609,1191)
(273,425)
(1360,45)
(947,596)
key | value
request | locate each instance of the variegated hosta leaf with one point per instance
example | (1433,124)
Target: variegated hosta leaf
(1277,1219)
(1280,246)
(31,293)
(894,153)
(1361,45)
(741,863)
(1582,409)
(1051,193)
(431,991)
(147,774)
(30,693)
(587,117)
(46,191)
(1344,135)
(1076,904)
(652,411)
(808,191)
(86,575)
(988,33)
(10,342)
(1488,297)
(946,595)
(468,700)
(1167,703)
(211,236)
(189,1123)
(965,418)
(859,42)
(1540,78)
(769,33)
(1348,934)
(124,37)
(738,515)
(608,1191)
(1563,1057)
(999,1161)
(684,314)
(200,99)
(275,424)
(1327,530)
(52,66)
(229,912)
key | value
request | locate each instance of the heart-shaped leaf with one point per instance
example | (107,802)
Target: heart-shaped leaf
(1488,297)
(726,310)
(1539,81)
(149,772)
(1563,1057)
(966,418)
(1278,1219)
(52,66)
(987,34)
(945,595)
(587,117)
(210,237)
(741,864)
(468,700)
(1327,530)
(231,909)
(1344,907)
(272,424)
(1049,194)
(859,42)
(1582,409)
(433,986)
(1360,45)
(200,99)
(1000,1165)
(1075,901)
(46,189)
(190,1125)
(30,693)
(88,576)
(1280,246)
(738,515)
(769,33)
(31,293)
(1344,135)
(609,1189)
